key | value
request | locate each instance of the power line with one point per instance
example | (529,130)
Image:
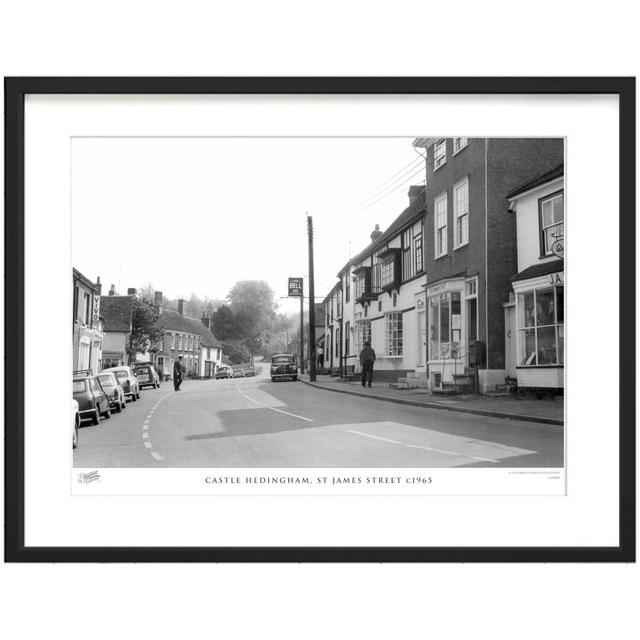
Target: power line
(382,197)
(406,169)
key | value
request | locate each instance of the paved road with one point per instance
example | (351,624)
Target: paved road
(252,422)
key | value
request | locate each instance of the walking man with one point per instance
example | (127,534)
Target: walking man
(177,373)
(367,358)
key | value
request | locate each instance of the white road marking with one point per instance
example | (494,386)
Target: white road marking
(148,445)
(293,415)
(145,435)
(145,426)
(419,446)
(157,456)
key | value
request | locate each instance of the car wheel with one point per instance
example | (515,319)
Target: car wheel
(96,417)
(295,378)
(75,435)
(133,397)
(273,379)
(138,394)
(107,413)
(118,406)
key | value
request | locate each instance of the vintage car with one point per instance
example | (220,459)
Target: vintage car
(113,389)
(249,371)
(283,365)
(223,371)
(238,372)
(90,396)
(75,422)
(147,375)
(128,380)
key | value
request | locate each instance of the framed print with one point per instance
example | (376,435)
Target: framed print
(320,319)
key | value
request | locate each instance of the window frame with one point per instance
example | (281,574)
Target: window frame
(443,197)
(458,215)
(454,151)
(393,345)
(439,159)
(541,201)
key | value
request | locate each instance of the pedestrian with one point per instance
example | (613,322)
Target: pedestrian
(367,358)
(177,373)
(320,353)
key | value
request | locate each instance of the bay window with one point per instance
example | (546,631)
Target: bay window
(445,328)
(387,274)
(541,327)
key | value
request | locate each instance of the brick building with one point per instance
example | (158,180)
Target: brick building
(471,248)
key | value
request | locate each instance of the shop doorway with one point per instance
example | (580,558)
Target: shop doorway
(510,353)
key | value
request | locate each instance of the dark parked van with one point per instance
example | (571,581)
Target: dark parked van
(283,365)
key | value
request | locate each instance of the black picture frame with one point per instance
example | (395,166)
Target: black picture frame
(15,91)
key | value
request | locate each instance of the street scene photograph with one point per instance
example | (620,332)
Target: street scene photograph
(318,302)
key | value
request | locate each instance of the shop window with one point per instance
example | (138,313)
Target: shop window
(440,224)
(393,334)
(445,328)
(541,327)
(551,221)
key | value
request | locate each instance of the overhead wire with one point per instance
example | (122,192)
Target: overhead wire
(388,193)
(384,185)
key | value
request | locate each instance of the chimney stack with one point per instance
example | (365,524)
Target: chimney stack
(131,292)
(206,320)
(181,307)
(158,299)
(415,191)
(112,291)
(376,233)
(99,286)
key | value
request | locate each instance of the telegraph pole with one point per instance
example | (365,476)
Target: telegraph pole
(302,327)
(312,307)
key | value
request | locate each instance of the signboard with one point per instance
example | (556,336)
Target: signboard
(295,287)
(96,309)
(557,248)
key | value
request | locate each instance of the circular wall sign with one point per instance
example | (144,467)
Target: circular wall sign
(557,248)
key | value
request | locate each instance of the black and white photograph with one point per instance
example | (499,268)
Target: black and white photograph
(318,302)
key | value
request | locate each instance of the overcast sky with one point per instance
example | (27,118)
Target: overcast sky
(199,214)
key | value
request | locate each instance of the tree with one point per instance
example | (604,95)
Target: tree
(146,331)
(236,351)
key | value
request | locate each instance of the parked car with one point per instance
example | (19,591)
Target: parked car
(75,424)
(113,389)
(238,372)
(283,365)
(128,380)
(223,371)
(249,371)
(91,398)
(147,376)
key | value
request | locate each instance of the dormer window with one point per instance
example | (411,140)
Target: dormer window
(551,222)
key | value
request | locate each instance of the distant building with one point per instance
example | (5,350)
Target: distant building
(118,323)
(534,318)
(187,337)
(87,323)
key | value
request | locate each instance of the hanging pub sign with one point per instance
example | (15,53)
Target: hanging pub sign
(557,248)
(96,309)
(295,287)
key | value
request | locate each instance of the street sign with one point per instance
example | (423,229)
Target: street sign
(295,287)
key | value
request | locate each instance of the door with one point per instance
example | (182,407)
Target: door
(510,347)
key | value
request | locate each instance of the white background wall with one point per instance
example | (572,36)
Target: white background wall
(372,601)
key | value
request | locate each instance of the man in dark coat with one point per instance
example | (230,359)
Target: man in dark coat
(177,373)
(367,358)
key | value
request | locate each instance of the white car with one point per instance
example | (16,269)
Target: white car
(75,423)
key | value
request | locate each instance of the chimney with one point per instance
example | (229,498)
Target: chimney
(112,291)
(131,292)
(157,301)
(415,191)
(181,307)
(98,286)
(206,321)
(376,233)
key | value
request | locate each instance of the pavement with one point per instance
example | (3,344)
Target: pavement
(544,411)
